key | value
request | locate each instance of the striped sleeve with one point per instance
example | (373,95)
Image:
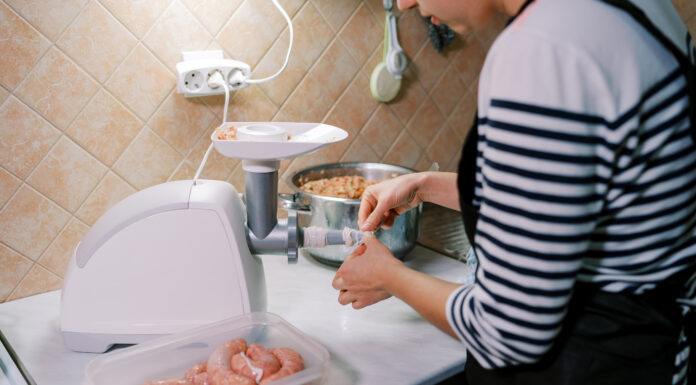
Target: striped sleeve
(542,173)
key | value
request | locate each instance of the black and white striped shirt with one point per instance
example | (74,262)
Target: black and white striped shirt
(586,171)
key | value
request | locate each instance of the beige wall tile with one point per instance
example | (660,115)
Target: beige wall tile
(38,280)
(412,32)
(290,6)
(97,41)
(246,105)
(104,127)
(686,8)
(14,268)
(137,15)
(212,21)
(424,163)
(473,88)
(111,190)
(324,156)
(176,31)
(470,59)
(691,25)
(237,178)
(357,104)
(48,16)
(374,60)
(308,103)
(141,82)
(425,123)
(57,88)
(337,118)
(361,34)
(3,94)
(360,151)
(184,171)
(428,66)
(409,98)
(251,105)
(57,257)
(336,68)
(251,30)
(24,137)
(463,115)
(149,160)
(29,222)
(454,163)
(21,46)
(217,167)
(381,130)
(445,146)
(336,12)
(67,174)
(281,87)
(181,120)
(404,152)
(280,117)
(377,8)
(448,91)
(8,185)
(312,35)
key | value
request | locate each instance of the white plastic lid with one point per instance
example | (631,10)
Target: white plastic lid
(171,356)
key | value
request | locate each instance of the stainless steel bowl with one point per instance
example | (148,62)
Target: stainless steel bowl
(337,213)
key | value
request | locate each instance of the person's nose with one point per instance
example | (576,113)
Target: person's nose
(406,4)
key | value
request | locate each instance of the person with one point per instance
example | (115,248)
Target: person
(577,186)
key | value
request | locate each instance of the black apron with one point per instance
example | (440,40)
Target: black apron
(607,338)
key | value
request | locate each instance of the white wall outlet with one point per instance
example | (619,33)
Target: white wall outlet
(197,66)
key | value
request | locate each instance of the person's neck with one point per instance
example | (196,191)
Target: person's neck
(510,7)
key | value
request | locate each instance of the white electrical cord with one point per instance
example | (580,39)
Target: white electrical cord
(287,56)
(218,79)
(215,79)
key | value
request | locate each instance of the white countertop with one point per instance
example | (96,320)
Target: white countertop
(386,343)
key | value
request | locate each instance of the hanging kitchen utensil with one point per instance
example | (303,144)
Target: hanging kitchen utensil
(385,81)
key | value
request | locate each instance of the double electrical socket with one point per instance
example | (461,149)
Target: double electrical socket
(198,66)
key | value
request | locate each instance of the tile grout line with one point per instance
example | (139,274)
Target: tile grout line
(41,34)
(214,33)
(336,38)
(310,68)
(34,262)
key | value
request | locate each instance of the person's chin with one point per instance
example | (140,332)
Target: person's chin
(461,29)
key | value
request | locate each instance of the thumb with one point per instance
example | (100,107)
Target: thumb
(375,218)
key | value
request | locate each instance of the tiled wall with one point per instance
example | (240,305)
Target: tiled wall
(89,112)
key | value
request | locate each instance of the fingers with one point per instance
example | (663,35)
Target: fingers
(389,219)
(345,297)
(361,299)
(367,205)
(372,209)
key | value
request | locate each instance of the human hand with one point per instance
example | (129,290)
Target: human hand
(383,202)
(363,278)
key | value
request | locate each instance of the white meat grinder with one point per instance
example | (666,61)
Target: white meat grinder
(181,254)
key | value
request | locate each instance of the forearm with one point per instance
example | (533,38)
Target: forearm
(426,294)
(440,188)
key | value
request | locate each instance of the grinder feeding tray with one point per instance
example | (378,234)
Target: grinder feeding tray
(181,254)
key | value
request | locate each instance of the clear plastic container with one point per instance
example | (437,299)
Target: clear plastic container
(171,356)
